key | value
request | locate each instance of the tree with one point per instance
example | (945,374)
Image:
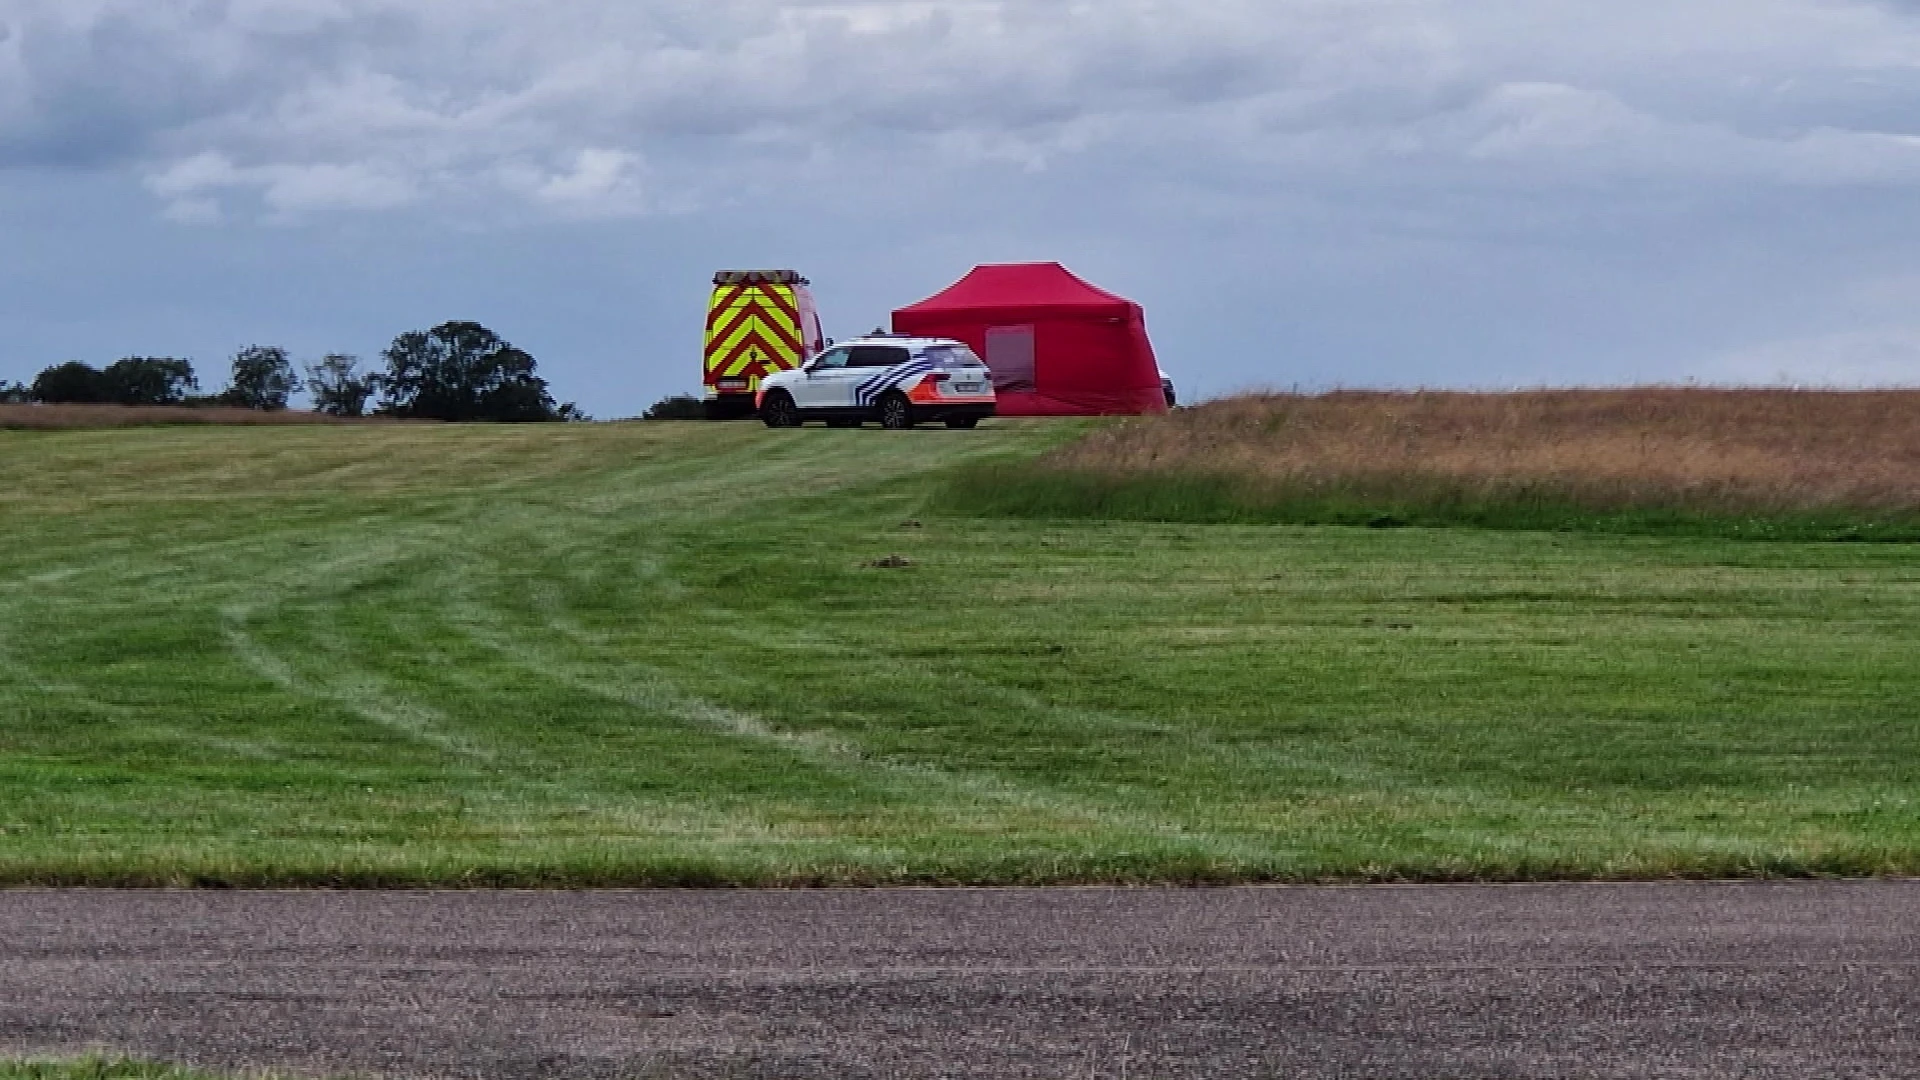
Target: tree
(71,383)
(149,380)
(136,380)
(339,388)
(677,407)
(464,371)
(13,393)
(262,378)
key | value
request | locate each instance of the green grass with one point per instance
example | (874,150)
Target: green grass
(1200,498)
(99,1068)
(653,654)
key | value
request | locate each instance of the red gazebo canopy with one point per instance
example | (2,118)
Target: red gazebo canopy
(1057,345)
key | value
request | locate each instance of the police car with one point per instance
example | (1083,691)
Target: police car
(895,381)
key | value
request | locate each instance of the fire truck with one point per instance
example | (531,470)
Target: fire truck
(759,322)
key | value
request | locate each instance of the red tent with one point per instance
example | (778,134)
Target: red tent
(1057,345)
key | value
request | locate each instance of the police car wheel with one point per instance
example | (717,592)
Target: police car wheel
(779,411)
(895,412)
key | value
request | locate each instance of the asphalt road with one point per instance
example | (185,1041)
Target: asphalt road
(1612,980)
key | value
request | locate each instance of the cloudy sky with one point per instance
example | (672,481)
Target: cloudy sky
(1301,192)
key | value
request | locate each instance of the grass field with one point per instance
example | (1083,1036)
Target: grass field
(102,1069)
(1744,464)
(656,654)
(69,417)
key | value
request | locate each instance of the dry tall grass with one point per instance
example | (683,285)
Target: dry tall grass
(1702,450)
(47,417)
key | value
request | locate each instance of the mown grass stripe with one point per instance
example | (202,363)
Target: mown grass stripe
(658,654)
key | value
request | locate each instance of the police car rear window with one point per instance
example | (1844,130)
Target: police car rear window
(949,356)
(878,356)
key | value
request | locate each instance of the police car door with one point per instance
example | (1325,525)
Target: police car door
(827,384)
(874,365)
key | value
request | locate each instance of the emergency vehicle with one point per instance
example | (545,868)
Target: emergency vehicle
(759,323)
(894,380)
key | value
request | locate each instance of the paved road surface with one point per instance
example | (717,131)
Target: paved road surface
(1640,981)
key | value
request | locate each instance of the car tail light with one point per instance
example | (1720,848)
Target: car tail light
(939,376)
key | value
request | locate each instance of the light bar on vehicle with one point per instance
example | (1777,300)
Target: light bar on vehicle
(759,277)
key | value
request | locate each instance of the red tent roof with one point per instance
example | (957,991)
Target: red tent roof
(1023,286)
(1057,345)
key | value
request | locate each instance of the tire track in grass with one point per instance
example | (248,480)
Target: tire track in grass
(1292,833)
(518,795)
(654,692)
(515,779)
(1398,798)
(348,686)
(13,594)
(14,668)
(344,684)
(343,572)
(364,696)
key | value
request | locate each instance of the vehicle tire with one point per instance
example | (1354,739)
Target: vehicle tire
(844,422)
(896,412)
(967,422)
(779,411)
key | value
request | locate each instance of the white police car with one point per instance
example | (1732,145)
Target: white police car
(896,381)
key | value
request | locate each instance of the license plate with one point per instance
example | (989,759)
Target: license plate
(966,388)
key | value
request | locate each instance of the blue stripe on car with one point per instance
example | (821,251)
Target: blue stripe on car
(870,390)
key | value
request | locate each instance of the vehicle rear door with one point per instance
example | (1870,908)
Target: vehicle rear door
(875,364)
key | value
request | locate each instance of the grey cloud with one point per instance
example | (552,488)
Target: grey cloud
(376,103)
(87,83)
(453,92)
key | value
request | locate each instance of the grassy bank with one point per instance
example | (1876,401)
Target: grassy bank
(1208,497)
(1761,464)
(97,1068)
(660,654)
(69,417)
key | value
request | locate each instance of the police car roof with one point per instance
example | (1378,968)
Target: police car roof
(906,341)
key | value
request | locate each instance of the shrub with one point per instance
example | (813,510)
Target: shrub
(676,407)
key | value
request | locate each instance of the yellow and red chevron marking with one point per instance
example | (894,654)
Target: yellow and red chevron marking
(752,330)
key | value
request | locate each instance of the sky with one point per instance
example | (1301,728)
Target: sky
(1302,193)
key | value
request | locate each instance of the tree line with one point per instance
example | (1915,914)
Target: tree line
(458,371)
